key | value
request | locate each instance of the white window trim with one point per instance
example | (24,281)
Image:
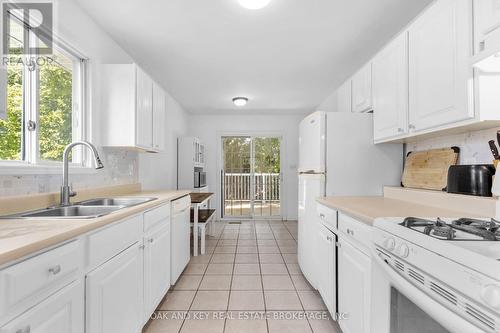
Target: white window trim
(34,165)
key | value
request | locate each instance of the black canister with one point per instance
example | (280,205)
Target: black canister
(474,179)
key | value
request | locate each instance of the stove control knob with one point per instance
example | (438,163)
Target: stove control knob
(491,296)
(404,251)
(389,244)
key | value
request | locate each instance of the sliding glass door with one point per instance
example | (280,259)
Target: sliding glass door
(251,177)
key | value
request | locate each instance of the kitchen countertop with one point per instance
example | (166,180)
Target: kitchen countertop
(22,237)
(367,209)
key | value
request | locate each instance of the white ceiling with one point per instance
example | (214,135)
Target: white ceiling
(287,57)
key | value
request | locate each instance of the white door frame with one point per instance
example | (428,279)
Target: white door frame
(283,157)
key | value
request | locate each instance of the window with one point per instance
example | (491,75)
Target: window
(44,100)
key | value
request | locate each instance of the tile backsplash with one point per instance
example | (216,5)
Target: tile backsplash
(120,167)
(474,148)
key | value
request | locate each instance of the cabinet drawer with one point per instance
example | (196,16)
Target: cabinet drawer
(62,312)
(181,203)
(105,244)
(355,231)
(27,283)
(156,216)
(328,216)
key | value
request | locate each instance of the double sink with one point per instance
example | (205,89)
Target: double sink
(87,209)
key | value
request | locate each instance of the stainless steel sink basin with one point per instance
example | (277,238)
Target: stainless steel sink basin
(123,201)
(75,211)
(88,209)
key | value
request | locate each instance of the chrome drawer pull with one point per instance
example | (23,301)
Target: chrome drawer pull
(322,216)
(151,240)
(55,270)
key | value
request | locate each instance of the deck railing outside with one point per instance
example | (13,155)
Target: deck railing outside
(238,186)
(238,192)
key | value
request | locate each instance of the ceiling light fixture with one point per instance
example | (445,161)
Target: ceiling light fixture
(240,101)
(254,4)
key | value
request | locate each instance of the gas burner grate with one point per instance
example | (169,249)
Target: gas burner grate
(410,222)
(488,230)
(438,229)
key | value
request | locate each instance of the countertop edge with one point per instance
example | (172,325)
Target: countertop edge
(32,248)
(368,220)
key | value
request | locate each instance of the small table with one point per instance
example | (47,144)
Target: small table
(197,201)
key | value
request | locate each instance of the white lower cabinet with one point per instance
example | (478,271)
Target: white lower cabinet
(327,278)
(60,313)
(114,294)
(354,273)
(156,268)
(110,280)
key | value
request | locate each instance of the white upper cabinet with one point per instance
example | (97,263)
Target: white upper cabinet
(144,116)
(390,89)
(159,117)
(344,97)
(440,76)
(362,89)
(486,26)
(133,108)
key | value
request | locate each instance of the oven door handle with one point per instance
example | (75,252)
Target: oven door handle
(447,318)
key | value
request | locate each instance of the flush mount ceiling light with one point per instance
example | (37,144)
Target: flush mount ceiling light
(240,101)
(254,4)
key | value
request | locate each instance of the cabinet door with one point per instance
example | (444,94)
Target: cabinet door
(159,115)
(486,24)
(327,283)
(62,312)
(144,113)
(344,97)
(440,74)
(354,289)
(362,89)
(156,267)
(114,294)
(390,89)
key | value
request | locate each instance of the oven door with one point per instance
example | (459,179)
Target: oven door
(398,306)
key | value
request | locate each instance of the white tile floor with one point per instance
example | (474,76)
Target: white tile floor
(249,281)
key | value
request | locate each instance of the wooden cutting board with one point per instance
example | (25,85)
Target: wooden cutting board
(429,169)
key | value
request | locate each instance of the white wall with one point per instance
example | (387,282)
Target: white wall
(210,128)
(474,148)
(159,171)
(329,104)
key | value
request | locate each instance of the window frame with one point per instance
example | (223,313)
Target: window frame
(31,162)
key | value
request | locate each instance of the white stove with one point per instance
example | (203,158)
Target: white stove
(447,269)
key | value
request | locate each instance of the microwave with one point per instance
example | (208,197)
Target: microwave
(200,179)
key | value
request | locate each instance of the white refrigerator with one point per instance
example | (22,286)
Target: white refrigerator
(337,157)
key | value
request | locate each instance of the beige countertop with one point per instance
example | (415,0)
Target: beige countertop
(367,209)
(22,237)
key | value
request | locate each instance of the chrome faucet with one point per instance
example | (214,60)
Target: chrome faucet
(66,191)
